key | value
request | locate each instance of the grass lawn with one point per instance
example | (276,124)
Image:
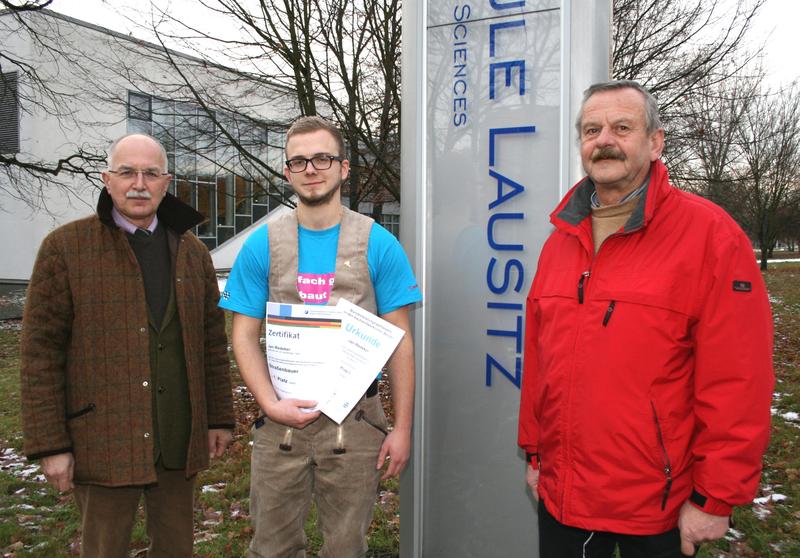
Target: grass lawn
(772,528)
(37,522)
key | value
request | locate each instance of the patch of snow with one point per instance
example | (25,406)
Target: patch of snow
(213,487)
(761,512)
(734,535)
(771,498)
(205,537)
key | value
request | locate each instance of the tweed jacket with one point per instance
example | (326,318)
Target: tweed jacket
(85,369)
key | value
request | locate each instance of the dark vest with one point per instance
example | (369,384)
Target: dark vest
(172,412)
(169,384)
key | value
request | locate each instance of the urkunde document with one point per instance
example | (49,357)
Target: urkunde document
(330,354)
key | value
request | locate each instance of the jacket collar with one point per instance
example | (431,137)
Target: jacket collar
(172,212)
(577,205)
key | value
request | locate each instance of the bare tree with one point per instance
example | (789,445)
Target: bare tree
(677,50)
(743,147)
(672,47)
(769,136)
(29,6)
(341,57)
(790,220)
(25,89)
(728,139)
(710,125)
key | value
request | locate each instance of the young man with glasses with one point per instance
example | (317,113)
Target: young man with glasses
(125,377)
(317,254)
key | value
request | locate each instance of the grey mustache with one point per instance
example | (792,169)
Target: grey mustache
(607,153)
(138,195)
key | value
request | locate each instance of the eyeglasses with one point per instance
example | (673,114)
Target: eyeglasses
(319,162)
(148,175)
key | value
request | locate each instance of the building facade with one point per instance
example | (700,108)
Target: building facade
(69,88)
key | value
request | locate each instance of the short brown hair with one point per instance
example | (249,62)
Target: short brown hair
(308,124)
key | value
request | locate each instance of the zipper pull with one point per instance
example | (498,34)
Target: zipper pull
(609,311)
(584,276)
(665,497)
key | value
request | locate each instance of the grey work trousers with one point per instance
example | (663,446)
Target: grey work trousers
(343,484)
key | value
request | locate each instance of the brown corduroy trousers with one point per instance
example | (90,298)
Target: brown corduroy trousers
(108,515)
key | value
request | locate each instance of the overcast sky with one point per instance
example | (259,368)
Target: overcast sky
(776,26)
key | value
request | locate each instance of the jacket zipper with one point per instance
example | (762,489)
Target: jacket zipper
(584,277)
(609,311)
(667,466)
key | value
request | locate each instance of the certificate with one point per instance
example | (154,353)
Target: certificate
(303,346)
(330,354)
(367,342)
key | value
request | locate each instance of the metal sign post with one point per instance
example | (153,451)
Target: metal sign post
(490,92)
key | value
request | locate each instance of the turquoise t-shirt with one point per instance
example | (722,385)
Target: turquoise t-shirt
(247,291)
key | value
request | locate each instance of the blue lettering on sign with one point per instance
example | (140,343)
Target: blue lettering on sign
(506,5)
(509,68)
(491,363)
(502,25)
(461,13)
(500,289)
(505,275)
(502,195)
(490,228)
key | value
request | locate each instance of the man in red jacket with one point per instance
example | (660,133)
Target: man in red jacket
(648,341)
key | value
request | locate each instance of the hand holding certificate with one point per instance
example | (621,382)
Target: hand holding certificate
(328,354)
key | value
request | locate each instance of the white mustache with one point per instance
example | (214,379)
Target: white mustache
(138,195)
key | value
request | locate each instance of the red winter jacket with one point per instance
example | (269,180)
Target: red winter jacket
(648,366)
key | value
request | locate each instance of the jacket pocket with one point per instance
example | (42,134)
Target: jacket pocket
(664,457)
(80,412)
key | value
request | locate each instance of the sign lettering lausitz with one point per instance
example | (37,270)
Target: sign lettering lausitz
(490,89)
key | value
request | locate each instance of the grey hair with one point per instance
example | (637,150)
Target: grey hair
(114,145)
(651,117)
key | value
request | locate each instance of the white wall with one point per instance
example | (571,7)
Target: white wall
(84,65)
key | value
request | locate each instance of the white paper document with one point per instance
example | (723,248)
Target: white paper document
(303,344)
(330,354)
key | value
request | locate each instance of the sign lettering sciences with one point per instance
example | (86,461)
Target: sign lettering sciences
(505,26)
(494,73)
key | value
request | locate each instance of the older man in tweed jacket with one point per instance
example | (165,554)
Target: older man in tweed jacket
(125,381)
